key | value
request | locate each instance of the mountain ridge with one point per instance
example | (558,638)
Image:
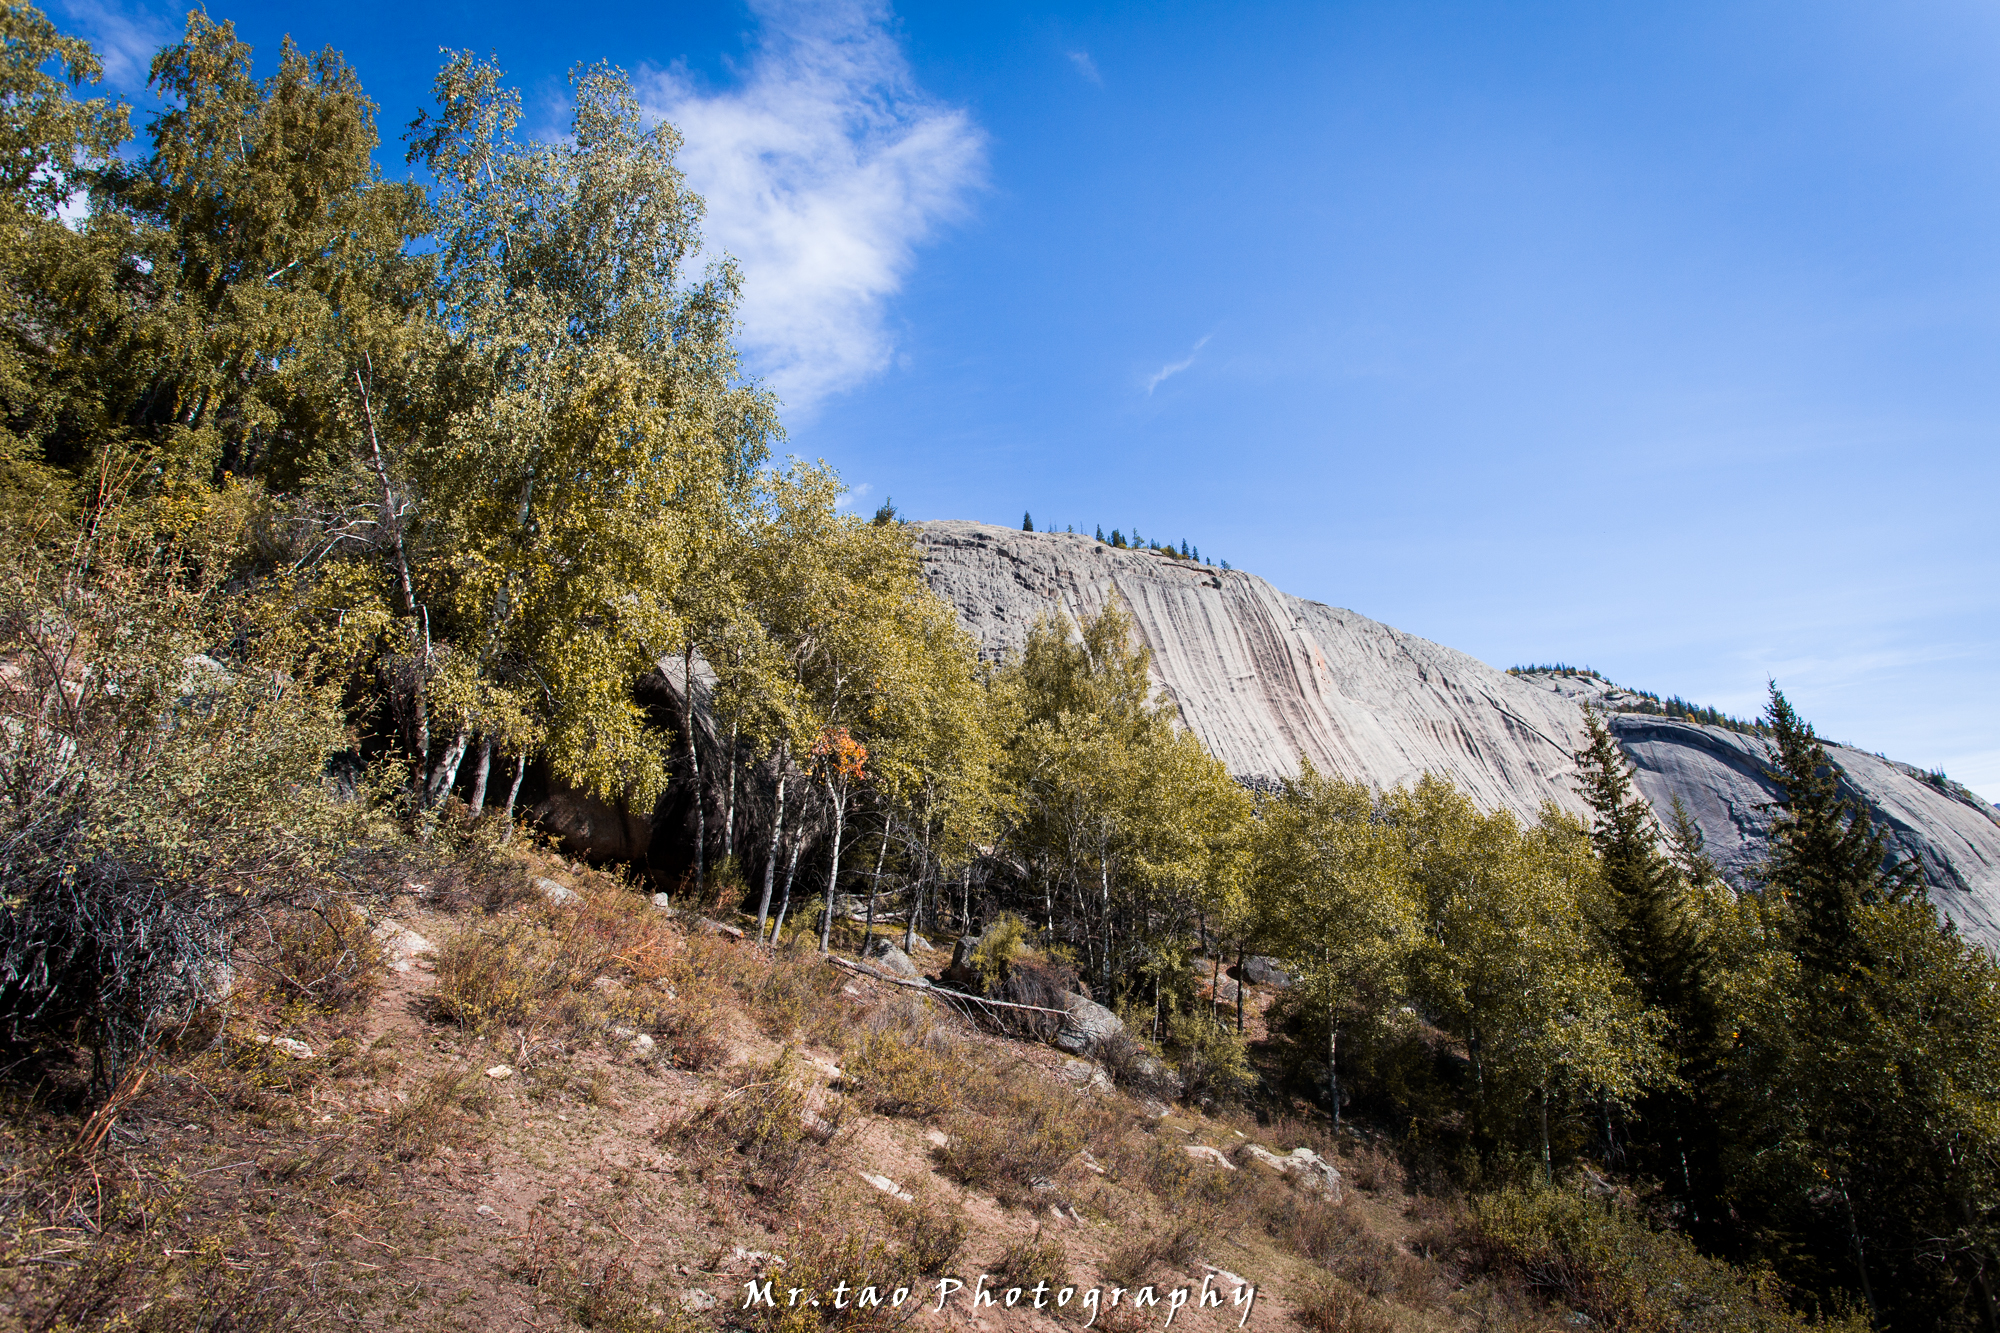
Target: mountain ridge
(1263,677)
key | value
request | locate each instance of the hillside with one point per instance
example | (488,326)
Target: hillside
(1263,677)
(527,1110)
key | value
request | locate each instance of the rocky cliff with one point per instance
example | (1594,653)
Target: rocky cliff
(1263,677)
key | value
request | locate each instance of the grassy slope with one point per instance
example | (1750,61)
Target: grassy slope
(388,1181)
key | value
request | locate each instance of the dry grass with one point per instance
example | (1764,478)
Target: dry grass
(818,1261)
(1040,1258)
(794,994)
(323,956)
(1010,1135)
(1333,1307)
(438,1113)
(769,1130)
(906,1064)
(931,1227)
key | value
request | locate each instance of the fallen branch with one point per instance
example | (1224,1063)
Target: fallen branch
(873,975)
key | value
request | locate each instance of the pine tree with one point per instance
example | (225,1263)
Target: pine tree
(1647,918)
(1100,532)
(1649,921)
(1027,521)
(1827,860)
(1865,1139)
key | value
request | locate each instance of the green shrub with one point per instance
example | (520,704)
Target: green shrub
(1212,1060)
(1596,1257)
(998,948)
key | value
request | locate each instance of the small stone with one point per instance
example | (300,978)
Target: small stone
(624,1034)
(754,1259)
(642,1042)
(937,1138)
(1201,1152)
(485,1210)
(663,901)
(500,1071)
(887,1186)
(697,1299)
(298,1050)
(555,892)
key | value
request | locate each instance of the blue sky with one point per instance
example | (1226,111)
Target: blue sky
(1660,339)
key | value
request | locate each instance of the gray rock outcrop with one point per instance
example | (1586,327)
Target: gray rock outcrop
(1262,678)
(1260,970)
(884,954)
(1087,1025)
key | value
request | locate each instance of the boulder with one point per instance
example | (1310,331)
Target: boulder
(1087,1025)
(1086,1074)
(1260,970)
(963,971)
(1150,1074)
(1201,1152)
(555,892)
(1302,1166)
(886,956)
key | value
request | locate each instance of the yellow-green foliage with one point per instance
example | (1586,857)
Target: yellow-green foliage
(1211,1058)
(894,1073)
(1606,1261)
(998,947)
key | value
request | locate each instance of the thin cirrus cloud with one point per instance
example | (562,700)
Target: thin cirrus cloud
(1086,66)
(824,169)
(1173,368)
(124,37)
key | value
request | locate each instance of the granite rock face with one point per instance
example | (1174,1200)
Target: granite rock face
(1262,678)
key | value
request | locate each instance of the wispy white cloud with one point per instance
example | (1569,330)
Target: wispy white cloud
(1173,368)
(1086,66)
(853,495)
(124,37)
(824,169)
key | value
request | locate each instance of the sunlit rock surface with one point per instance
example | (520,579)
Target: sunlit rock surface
(1263,677)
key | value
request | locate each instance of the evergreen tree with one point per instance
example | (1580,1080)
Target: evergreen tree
(1650,922)
(1027,522)
(1866,1143)
(1645,918)
(886,515)
(1828,862)
(1100,532)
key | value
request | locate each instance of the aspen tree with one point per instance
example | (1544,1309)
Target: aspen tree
(1335,900)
